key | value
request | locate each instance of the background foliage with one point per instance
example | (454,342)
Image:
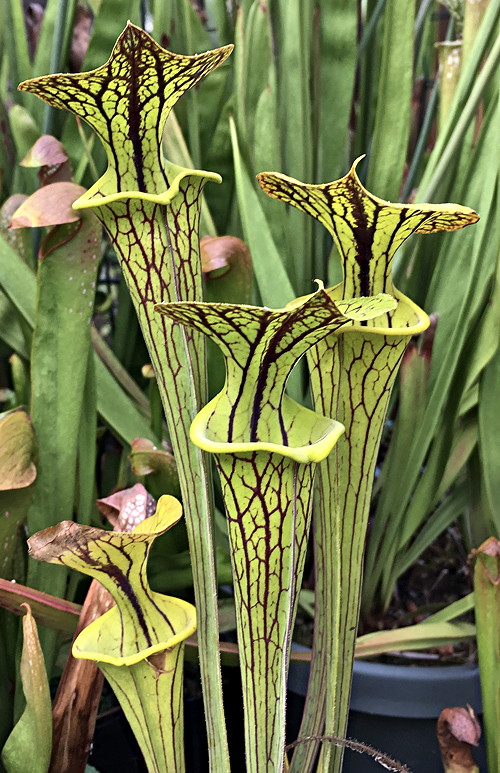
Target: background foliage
(309,87)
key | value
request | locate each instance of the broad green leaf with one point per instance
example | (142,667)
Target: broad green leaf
(61,348)
(352,374)
(151,210)
(29,745)
(264,445)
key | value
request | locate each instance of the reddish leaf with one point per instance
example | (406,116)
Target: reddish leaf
(50,205)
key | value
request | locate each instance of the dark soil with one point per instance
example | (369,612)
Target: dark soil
(439,577)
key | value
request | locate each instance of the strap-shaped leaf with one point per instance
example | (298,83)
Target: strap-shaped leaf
(143,622)
(127,102)
(260,347)
(367,230)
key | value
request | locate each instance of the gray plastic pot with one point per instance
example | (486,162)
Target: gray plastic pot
(395,709)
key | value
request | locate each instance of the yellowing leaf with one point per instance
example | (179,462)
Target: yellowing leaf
(17,444)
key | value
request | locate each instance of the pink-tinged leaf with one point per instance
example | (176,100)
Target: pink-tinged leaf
(17,449)
(47,151)
(50,205)
(458,729)
(29,745)
(127,508)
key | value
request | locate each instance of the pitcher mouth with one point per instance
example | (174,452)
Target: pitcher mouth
(92,198)
(86,645)
(329,432)
(417,317)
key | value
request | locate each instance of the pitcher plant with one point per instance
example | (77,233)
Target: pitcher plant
(266,447)
(138,644)
(151,209)
(352,372)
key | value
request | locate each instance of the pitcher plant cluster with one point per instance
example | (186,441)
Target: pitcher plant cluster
(278,461)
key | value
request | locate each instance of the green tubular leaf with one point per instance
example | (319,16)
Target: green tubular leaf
(34,729)
(351,377)
(151,210)
(487,612)
(265,444)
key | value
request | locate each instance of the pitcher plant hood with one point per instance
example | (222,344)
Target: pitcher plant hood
(260,347)
(367,231)
(127,101)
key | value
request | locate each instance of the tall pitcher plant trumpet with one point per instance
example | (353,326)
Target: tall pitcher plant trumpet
(266,447)
(151,209)
(352,373)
